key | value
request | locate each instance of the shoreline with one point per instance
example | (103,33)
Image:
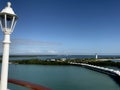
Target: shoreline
(99,62)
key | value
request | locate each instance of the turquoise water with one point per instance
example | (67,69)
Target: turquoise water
(61,77)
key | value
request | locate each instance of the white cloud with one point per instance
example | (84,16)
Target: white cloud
(52,52)
(25,46)
(33,42)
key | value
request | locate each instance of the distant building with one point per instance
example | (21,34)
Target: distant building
(63,59)
(52,60)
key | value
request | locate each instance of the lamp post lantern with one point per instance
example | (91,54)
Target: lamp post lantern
(7,21)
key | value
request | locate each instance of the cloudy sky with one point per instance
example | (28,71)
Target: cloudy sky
(65,27)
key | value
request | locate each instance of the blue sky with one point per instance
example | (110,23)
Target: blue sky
(65,27)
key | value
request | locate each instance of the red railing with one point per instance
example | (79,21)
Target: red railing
(28,84)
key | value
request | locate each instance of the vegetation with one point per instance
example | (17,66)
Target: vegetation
(100,63)
(105,63)
(41,62)
(91,61)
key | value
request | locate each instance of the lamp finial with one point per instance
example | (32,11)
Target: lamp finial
(9,4)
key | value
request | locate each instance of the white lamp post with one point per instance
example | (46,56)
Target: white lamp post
(7,21)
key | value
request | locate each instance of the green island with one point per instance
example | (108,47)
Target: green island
(39,62)
(91,61)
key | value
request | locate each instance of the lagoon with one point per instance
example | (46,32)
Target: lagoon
(61,77)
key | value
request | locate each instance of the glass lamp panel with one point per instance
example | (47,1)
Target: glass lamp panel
(9,20)
(2,19)
(13,23)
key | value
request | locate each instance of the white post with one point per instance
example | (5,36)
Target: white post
(5,62)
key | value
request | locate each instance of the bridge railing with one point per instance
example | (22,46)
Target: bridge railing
(28,84)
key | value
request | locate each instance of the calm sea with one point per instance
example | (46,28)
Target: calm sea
(61,77)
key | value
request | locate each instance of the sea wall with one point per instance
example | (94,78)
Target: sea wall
(115,74)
